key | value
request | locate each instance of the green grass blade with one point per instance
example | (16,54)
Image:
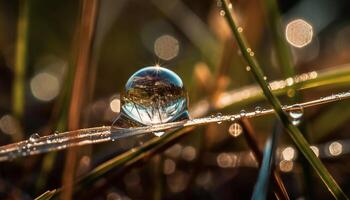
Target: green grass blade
(21,59)
(293,131)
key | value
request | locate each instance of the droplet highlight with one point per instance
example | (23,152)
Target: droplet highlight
(159,133)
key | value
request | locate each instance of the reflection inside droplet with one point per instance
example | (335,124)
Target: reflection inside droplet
(153,95)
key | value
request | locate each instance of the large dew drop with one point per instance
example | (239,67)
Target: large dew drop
(153,95)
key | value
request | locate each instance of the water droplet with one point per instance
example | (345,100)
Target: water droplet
(233,118)
(258,109)
(219,116)
(251,54)
(296,114)
(249,50)
(296,111)
(265,78)
(159,133)
(153,95)
(240,29)
(243,113)
(235,129)
(230,6)
(222,12)
(34,137)
(247,68)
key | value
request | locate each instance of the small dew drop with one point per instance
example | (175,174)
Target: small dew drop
(249,50)
(233,118)
(251,54)
(34,137)
(265,78)
(219,116)
(230,6)
(235,129)
(222,13)
(243,113)
(159,133)
(247,68)
(240,29)
(258,109)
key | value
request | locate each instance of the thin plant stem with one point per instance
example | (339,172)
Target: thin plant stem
(94,135)
(83,47)
(21,59)
(293,131)
(250,136)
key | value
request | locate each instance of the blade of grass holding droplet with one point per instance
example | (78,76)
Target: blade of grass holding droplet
(19,85)
(278,186)
(132,156)
(47,195)
(96,135)
(261,187)
(293,131)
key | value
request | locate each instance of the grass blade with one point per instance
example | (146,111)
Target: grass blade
(21,59)
(261,187)
(278,186)
(293,131)
(85,33)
